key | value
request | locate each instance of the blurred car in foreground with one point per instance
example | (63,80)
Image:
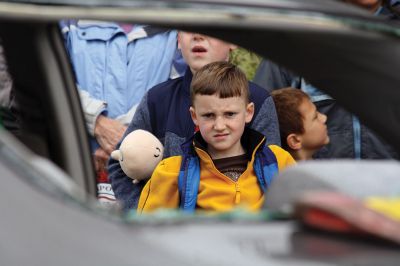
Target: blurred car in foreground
(49,213)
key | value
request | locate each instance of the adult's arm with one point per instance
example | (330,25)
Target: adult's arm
(107,131)
(125,191)
(92,108)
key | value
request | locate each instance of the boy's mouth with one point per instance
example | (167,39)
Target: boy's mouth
(199,49)
(220,136)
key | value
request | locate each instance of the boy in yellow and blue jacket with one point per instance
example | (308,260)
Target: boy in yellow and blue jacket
(225,164)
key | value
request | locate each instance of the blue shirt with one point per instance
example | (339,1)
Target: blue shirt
(117,68)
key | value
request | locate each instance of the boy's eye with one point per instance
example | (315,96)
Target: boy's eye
(207,115)
(230,114)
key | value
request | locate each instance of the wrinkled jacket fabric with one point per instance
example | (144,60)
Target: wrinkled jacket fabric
(213,191)
(164,111)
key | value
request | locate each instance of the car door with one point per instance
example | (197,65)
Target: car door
(49,110)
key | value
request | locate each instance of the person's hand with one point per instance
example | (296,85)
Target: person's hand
(100,160)
(108,133)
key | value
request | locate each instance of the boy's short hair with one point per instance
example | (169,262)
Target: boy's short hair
(221,78)
(287,103)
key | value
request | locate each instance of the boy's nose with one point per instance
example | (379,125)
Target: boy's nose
(219,124)
(197,36)
(323,117)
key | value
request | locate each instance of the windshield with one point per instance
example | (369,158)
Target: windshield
(237,112)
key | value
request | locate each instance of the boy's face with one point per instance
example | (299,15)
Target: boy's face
(315,132)
(221,123)
(198,50)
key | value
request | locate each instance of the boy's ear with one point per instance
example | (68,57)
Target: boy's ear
(193,115)
(294,141)
(232,47)
(249,112)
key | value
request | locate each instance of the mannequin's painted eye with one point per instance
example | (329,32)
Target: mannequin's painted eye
(159,152)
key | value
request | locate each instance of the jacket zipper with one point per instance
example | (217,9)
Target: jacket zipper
(237,194)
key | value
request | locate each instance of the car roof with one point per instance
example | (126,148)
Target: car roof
(332,7)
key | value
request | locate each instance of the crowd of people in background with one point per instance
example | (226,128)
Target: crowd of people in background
(217,127)
(122,91)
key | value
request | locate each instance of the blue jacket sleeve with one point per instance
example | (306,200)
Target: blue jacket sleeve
(125,191)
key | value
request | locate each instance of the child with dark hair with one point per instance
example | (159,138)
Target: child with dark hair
(225,164)
(303,129)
